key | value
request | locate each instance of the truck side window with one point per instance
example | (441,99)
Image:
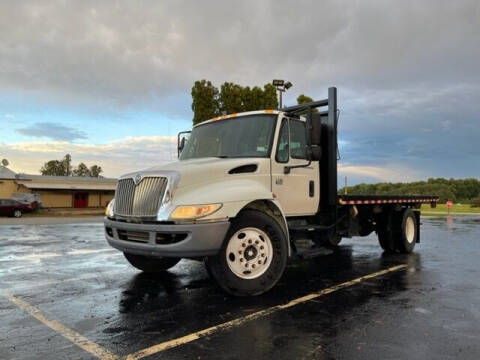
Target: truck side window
(297,140)
(282,147)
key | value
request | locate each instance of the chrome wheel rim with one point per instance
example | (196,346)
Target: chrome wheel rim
(249,253)
(409,230)
(17,213)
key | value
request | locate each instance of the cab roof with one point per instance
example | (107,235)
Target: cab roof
(230,116)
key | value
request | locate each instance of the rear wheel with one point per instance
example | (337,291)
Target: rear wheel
(17,213)
(151,265)
(402,235)
(385,241)
(406,236)
(253,256)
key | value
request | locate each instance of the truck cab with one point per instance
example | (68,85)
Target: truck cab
(244,188)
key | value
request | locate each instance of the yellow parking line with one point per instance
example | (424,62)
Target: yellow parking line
(259,314)
(79,340)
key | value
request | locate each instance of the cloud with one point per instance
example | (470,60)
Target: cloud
(372,173)
(115,157)
(129,53)
(53,131)
(407,72)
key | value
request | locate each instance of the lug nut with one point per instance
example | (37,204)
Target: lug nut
(243,245)
(241,260)
(253,266)
(246,265)
(250,241)
(261,247)
(256,242)
(263,255)
(260,262)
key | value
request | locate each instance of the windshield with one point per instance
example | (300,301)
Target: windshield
(245,136)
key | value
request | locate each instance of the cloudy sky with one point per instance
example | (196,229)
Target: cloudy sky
(109,82)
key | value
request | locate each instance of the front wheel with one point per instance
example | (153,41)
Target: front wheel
(253,256)
(17,213)
(151,265)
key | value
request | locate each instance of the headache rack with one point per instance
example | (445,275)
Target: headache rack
(321,130)
(322,145)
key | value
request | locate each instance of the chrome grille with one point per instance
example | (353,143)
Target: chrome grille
(143,199)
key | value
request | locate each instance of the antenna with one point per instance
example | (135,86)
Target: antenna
(5,162)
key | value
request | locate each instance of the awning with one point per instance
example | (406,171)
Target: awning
(66,186)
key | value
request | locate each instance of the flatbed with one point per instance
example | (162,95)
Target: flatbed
(386,199)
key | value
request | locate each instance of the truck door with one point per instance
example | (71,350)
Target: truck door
(297,191)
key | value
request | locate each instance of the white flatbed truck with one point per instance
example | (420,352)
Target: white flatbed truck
(246,187)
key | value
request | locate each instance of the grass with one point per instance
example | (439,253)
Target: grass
(441,209)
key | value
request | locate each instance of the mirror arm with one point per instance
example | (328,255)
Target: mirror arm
(287,169)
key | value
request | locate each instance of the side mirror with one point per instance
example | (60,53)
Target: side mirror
(182,139)
(181,145)
(316,152)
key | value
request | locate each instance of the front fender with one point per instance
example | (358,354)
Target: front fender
(234,194)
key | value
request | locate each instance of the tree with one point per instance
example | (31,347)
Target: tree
(67,160)
(53,168)
(204,101)
(270,100)
(231,98)
(255,99)
(64,168)
(208,102)
(452,189)
(82,170)
(303,99)
(95,171)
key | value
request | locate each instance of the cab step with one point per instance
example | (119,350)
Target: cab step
(314,252)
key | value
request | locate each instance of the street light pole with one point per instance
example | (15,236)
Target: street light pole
(281,86)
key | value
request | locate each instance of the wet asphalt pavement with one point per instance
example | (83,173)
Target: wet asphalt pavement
(67,274)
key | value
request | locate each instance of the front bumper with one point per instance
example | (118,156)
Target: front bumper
(160,240)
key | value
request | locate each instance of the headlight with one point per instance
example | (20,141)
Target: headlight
(190,212)
(109,208)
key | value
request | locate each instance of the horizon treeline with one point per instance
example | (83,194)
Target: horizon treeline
(456,190)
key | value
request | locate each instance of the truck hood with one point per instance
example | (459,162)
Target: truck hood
(197,171)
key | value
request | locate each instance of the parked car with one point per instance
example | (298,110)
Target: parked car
(9,207)
(28,198)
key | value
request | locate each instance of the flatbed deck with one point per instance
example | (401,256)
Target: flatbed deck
(386,199)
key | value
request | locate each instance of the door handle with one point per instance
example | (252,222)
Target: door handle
(311,188)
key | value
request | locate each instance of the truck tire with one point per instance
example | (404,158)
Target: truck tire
(151,265)
(253,256)
(402,235)
(386,242)
(407,233)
